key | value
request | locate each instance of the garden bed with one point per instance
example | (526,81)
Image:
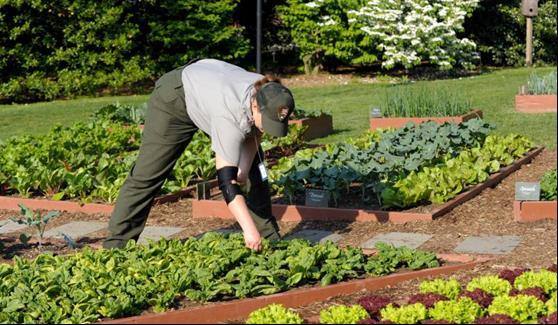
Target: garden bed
(529,211)
(222,311)
(316,127)
(218,208)
(397,122)
(535,103)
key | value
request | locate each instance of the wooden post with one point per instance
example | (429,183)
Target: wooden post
(529,42)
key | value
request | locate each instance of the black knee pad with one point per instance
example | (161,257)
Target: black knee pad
(225,178)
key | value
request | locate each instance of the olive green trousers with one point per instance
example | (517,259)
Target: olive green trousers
(167,132)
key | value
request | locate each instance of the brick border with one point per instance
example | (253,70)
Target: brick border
(397,122)
(213,208)
(529,211)
(535,103)
(11,203)
(317,127)
(222,311)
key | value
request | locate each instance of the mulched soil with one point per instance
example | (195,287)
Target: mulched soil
(490,213)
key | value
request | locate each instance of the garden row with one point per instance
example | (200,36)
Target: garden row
(514,296)
(94,284)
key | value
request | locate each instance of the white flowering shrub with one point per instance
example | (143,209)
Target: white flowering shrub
(411,32)
(322,33)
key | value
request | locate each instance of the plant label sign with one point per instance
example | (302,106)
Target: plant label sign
(203,191)
(527,191)
(317,198)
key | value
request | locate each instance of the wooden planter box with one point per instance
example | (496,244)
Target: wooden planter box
(219,209)
(535,103)
(11,203)
(528,211)
(220,312)
(397,122)
(316,127)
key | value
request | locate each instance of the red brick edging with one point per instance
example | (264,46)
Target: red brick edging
(397,122)
(238,309)
(529,211)
(213,208)
(535,103)
(11,203)
(317,127)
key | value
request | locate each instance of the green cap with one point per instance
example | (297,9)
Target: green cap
(276,104)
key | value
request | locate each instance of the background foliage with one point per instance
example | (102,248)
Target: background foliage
(67,48)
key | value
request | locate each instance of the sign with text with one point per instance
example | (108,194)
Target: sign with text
(527,191)
(203,191)
(317,198)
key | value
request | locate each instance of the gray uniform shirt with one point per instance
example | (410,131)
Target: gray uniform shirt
(218,102)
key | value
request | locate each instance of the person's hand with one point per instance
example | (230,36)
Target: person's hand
(253,240)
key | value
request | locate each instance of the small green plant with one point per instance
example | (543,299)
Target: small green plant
(300,113)
(524,309)
(543,279)
(449,288)
(409,314)
(491,284)
(548,186)
(34,219)
(274,314)
(542,85)
(461,311)
(343,314)
(423,101)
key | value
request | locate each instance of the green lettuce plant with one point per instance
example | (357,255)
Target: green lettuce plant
(409,314)
(543,279)
(524,309)
(274,314)
(548,186)
(461,311)
(343,314)
(491,284)
(551,304)
(450,288)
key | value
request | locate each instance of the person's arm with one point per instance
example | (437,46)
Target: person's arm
(237,204)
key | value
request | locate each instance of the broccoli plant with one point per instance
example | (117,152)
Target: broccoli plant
(34,219)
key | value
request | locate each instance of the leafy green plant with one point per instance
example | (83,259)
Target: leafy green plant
(389,258)
(424,101)
(543,279)
(127,114)
(524,309)
(114,283)
(460,311)
(548,186)
(449,288)
(551,304)
(274,314)
(36,220)
(343,314)
(409,314)
(300,113)
(491,284)
(542,85)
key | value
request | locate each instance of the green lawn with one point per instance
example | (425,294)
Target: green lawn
(491,92)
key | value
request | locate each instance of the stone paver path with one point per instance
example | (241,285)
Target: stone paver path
(7,226)
(315,236)
(398,239)
(155,233)
(76,229)
(488,244)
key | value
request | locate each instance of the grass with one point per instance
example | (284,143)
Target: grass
(492,92)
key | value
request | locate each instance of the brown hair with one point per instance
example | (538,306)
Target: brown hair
(267,78)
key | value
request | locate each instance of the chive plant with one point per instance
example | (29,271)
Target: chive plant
(423,101)
(542,85)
